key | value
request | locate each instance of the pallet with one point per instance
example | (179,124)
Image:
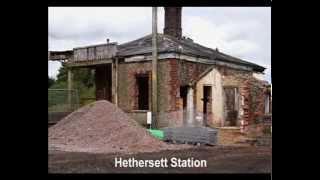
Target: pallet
(191,135)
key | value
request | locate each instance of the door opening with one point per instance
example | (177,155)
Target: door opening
(143,92)
(183,95)
(103,81)
(206,102)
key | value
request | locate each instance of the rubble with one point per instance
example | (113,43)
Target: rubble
(101,127)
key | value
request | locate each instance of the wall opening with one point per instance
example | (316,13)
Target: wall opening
(207,97)
(103,80)
(143,92)
(183,95)
(231,106)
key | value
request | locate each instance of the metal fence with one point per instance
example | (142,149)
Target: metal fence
(61,102)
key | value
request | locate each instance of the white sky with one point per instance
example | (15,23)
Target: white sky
(244,32)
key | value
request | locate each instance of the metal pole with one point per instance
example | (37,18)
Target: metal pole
(154,68)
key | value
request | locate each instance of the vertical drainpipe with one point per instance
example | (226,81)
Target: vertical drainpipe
(154,69)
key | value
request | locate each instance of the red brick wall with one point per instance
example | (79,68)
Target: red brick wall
(174,84)
(190,71)
(127,87)
(252,91)
(171,75)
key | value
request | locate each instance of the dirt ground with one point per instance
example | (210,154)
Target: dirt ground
(220,159)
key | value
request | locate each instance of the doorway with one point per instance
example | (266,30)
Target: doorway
(103,81)
(207,97)
(143,92)
(183,95)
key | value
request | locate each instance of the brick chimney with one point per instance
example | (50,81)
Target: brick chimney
(172,21)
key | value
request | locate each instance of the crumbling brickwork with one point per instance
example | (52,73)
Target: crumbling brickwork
(127,88)
(245,105)
(252,96)
(258,94)
(172,74)
(168,88)
(239,79)
(190,71)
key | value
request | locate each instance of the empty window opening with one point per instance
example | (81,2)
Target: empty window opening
(231,106)
(143,92)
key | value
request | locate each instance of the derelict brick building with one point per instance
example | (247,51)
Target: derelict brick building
(197,85)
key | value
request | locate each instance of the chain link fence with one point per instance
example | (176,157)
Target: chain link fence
(61,102)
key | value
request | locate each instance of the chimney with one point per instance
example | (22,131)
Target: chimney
(172,21)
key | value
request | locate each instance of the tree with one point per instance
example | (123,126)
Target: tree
(83,81)
(51,81)
(82,75)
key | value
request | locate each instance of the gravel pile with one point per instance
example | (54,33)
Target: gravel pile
(101,127)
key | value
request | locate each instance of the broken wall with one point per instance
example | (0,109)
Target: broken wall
(168,89)
(239,79)
(213,79)
(252,94)
(258,120)
(174,73)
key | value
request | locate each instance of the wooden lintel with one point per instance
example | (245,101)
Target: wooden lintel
(88,63)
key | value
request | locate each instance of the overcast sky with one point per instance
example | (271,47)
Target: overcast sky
(244,32)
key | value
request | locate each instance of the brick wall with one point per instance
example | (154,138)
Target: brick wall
(172,74)
(257,95)
(252,92)
(168,88)
(127,85)
(190,71)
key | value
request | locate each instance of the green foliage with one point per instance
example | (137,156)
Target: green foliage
(83,82)
(81,75)
(59,85)
(51,81)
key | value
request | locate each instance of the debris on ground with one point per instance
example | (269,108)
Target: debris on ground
(101,127)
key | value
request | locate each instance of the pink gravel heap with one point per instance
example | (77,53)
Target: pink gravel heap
(101,127)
